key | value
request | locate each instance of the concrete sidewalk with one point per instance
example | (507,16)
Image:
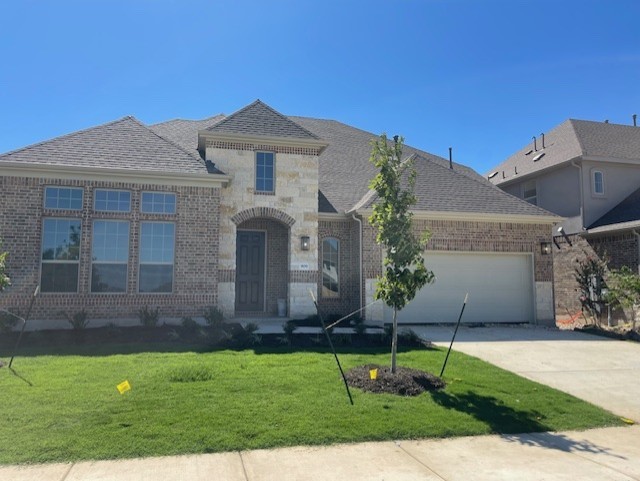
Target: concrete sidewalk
(599,454)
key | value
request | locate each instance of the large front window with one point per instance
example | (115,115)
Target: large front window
(157,240)
(60,255)
(265,172)
(109,256)
(330,267)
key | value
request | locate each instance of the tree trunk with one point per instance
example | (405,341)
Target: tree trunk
(394,341)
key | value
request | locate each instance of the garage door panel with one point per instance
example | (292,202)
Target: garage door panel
(500,288)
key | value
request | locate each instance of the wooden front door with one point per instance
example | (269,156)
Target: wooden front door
(250,270)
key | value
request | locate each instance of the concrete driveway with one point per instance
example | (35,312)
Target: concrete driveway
(602,371)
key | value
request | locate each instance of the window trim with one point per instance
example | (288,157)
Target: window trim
(524,190)
(76,262)
(338,293)
(593,183)
(255,172)
(175,196)
(59,187)
(173,263)
(95,209)
(127,263)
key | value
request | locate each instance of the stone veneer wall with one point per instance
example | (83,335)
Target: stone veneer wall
(469,236)
(295,199)
(347,233)
(617,250)
(196,250)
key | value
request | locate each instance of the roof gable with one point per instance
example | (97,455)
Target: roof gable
(122,144)
(258,119)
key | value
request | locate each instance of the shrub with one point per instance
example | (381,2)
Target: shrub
(244,337)
(288,328)
(189,325)
(358,326)
(148,317)
(8,320)
(4,279)
(214,316)
(78,320)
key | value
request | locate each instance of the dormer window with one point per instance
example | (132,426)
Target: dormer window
(597,178)
(265,172)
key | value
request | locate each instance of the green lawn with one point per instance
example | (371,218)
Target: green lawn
(66,407)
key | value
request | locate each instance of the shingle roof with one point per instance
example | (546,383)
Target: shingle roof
(181,131)
(345,173)
(626,211)
(258,118)
(122,144)
(570,140)
(441,189)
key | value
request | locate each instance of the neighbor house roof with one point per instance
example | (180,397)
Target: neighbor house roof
(570,140)
(259,119)
(125,144)
(626,213)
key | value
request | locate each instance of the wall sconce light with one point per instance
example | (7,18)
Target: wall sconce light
(305,242)
(545,248)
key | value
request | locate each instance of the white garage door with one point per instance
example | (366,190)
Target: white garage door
(500,288)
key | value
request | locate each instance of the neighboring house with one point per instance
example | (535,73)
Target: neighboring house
(589,173)
(253,212)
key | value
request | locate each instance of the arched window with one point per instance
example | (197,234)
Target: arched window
(330,267)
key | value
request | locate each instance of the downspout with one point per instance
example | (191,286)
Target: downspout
(360,260)
(579,167)
(635,233)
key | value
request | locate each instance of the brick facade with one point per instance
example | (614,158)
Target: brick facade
(195,255)
(616,250)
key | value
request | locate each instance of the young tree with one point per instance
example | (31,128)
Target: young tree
(4,279)
(404,270)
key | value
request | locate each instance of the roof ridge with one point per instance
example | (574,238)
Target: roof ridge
(70,134)
(575,134)
(271,109)
(178,119)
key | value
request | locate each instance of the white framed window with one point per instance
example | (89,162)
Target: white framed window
(529,192)
(265,172)
(67,198)
(158,203)
(157,246)
(330,267)
(109,256)
(109,200)
(60,255)
(597,182)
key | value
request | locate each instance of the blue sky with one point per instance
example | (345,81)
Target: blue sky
(480,76)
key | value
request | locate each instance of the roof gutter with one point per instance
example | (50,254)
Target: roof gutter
(476,216)
(635,233)
(48,171)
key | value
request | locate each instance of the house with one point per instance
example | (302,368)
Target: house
(253,212)
(589,173)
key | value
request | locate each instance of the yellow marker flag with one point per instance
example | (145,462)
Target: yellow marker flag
(123,387)
(373,374)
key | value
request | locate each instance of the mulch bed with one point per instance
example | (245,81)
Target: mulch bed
(405,382)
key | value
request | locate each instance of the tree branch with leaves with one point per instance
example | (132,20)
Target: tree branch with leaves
(4,279)
(404,270)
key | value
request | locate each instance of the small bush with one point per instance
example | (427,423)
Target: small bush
(214,316)
(189,325)
(149,317)
(358,326)
(289,328)
(8,320)
(243,337)
(78,320)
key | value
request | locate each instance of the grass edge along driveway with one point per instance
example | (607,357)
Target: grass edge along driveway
(67,408)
